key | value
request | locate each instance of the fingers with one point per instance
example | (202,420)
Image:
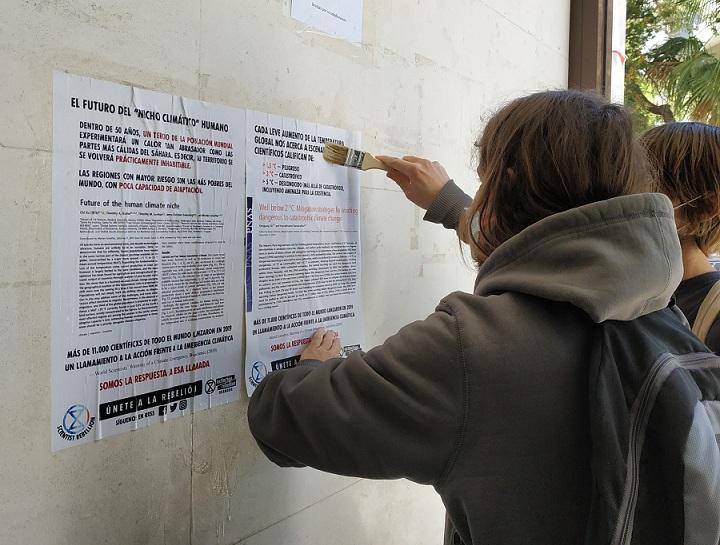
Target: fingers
(426,165)
(420,179)
(401,165)
(422,165)
(328,340)
(416,160)
(336,346)
(398,177)
(411,165)
(389,160)
(324,345)
(317,338)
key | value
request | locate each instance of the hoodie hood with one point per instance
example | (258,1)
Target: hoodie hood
(616,260)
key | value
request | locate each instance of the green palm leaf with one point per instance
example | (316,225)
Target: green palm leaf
(697,87)
(680,78)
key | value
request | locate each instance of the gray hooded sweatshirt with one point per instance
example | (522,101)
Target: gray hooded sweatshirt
(486,399)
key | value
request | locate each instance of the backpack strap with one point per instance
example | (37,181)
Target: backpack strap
(708,312)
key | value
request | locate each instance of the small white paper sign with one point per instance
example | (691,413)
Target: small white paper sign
(340,18)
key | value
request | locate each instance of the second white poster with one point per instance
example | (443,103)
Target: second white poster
(302,242)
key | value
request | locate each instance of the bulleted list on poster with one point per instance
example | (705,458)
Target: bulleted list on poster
(302,243)
(147,246)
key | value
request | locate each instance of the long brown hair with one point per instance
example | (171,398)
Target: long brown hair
(687,158)
(546,153)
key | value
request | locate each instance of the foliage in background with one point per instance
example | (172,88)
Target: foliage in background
(669,73)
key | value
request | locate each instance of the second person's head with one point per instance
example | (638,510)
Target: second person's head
(687,159)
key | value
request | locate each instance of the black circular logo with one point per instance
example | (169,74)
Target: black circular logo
(210,386)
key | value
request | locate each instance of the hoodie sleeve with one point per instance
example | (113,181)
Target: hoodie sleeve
(393,412)
(449,206)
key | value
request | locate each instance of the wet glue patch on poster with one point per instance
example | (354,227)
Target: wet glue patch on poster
(303,243)
(339,18)
(147,253)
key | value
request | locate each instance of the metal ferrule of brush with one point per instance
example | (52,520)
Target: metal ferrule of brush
(354,158)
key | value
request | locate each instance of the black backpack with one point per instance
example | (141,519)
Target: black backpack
(655,426)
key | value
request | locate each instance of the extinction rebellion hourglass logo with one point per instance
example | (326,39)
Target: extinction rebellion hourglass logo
(76,423)
(257,373)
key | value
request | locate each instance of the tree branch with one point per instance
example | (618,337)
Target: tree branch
(663,110)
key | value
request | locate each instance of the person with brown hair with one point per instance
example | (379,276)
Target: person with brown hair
(487,399)
(687,159)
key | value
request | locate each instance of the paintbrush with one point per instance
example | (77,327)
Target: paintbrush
(342,155)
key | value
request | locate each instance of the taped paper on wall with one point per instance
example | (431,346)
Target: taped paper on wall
(339,18)
(303,243)
(147,247)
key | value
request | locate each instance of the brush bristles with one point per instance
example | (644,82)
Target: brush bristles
(335,153)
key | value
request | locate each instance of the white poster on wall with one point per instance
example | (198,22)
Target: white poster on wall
(340,18)
(303,243)
(147,253)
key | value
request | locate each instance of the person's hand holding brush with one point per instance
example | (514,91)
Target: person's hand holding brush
(421,180)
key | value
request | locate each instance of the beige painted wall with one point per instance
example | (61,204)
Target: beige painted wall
(426,73)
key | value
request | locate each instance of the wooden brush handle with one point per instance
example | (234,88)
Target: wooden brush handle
(369,162)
